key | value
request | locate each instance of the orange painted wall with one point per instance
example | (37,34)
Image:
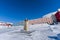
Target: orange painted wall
(41,20)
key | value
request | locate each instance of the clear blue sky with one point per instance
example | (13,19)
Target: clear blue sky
(17,10)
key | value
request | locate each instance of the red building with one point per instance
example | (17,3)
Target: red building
(58,15)
(7,24)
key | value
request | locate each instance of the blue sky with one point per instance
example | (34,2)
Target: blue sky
(17,10)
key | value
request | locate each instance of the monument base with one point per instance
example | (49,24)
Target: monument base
(24,31)
(27,32)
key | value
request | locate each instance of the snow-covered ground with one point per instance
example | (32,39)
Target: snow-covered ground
(37,32)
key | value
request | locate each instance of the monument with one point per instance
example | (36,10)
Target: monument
(26,24)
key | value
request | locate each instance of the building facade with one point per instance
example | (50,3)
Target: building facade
(41,20)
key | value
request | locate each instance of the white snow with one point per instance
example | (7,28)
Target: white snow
(39,32)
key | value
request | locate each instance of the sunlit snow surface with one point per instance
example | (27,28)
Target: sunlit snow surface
(37,32)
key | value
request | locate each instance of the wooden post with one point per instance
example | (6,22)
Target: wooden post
(26,25)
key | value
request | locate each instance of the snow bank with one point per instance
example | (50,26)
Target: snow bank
(36,26)
(49,14)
